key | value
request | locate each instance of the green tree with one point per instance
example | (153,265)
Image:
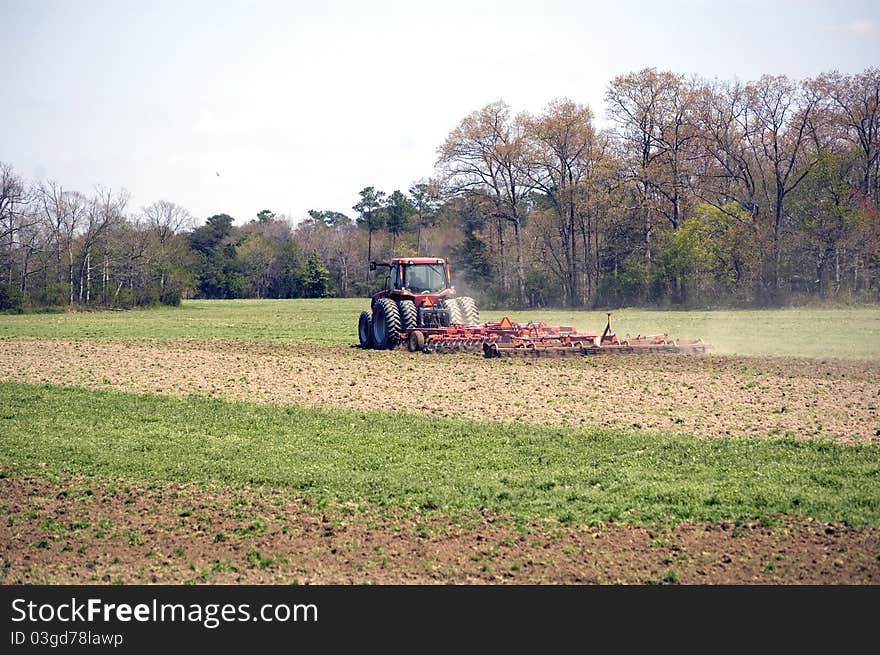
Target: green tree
(291,272)
(425,198)
(218,273)
(370,215)
(317,277)
(207,237)
(626,284)
(704,258)
(472,256)
(258,257)
(825,216)
(399,212)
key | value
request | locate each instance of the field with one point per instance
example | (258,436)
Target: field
(249,441)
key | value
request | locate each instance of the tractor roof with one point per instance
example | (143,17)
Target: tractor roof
(418,260)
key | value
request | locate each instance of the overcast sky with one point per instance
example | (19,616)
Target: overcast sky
(240,106)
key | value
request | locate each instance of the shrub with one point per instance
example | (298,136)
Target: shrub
(10,298)
(170,296)
(124,299)
(56,293)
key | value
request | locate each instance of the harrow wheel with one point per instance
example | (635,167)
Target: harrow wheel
(365,329)
(409,317)
(469,312)
(386,324)
(415,341)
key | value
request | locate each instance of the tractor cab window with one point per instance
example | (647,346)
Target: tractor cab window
(425,278)
(394,281)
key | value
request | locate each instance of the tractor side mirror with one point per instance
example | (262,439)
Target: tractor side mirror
(372,266)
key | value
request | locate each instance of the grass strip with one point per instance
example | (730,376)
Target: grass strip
(399,460)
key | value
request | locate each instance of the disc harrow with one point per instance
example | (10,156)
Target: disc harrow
(508,339)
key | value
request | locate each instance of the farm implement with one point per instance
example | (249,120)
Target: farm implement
(419,307)
(508,339)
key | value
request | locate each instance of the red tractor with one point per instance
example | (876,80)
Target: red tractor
(418,300)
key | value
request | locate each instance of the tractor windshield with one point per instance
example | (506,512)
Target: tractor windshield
(424,278)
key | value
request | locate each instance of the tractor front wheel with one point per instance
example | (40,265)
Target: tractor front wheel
(386,324)
(469,311)
(365,329)
(454,309)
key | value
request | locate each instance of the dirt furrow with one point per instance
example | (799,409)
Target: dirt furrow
(87,530)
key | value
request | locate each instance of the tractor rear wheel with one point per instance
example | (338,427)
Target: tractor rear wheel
(365,329)
(386,324)
(469,311)
(455,317)
(409,317)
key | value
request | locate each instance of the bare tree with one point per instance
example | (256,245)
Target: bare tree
(32,243)
(760,143)
(728,172)
(62,212)
(485,154)
(104,210)
(563,150)
(14,200)
(656,127)
(129,257)
(857,99)
(780,143)
(344,253)
(165,220)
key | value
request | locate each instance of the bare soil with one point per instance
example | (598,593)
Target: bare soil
(719,396)
(86,530)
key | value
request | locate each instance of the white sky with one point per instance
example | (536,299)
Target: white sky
(299,105)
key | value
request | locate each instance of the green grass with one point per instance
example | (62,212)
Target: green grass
(329,321)
(417,463)
(846,332)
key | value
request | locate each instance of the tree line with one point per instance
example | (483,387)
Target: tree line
(63,247)
(698,192)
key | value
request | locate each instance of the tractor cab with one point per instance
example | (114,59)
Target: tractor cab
(419,277)
(416,278)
